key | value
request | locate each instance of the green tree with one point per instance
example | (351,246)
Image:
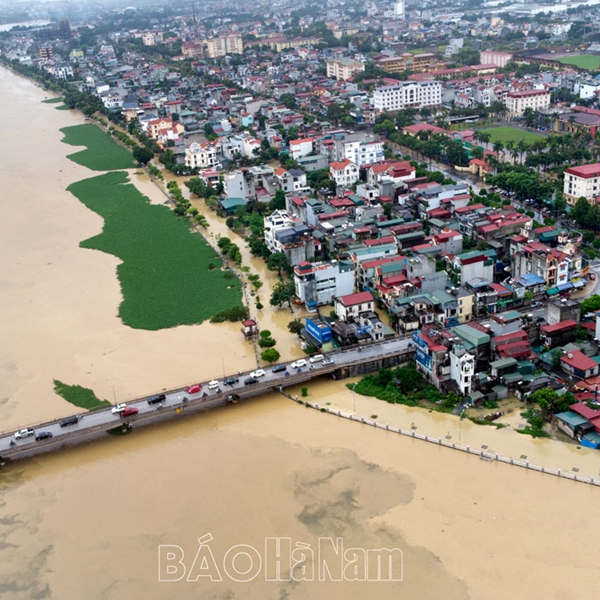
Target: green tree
(278,262)
(580,210)
(591,304)
(142,154)
(270,355)
(283,292)
(278,202)
(295,326)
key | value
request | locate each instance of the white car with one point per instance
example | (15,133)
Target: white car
(298,364)
(24,433)
(118,408)
(213,385)
(258,373)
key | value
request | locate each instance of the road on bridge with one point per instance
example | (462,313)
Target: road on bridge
(104,419)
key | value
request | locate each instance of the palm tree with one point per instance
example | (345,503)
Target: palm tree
(522,147)
(498,148)
(485,137)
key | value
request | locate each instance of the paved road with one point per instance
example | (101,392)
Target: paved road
(105,419)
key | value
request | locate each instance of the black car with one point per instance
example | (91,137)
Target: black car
(230,380)
(69,421)
(278,369)
(250,381)
(157,399)
(43,435)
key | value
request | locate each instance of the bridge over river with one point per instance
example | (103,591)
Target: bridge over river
(347,362)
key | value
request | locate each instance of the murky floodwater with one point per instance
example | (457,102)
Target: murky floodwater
(88,522)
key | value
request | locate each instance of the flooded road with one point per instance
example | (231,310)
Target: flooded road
(88,522)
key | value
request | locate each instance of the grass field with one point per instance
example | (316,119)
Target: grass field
(583,61)
(165,277)
(102,153)
(504,134)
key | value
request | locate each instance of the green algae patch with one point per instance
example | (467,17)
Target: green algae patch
(169,275)
(79,396)
(102,153)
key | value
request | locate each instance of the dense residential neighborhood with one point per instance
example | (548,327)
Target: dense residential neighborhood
(422,183)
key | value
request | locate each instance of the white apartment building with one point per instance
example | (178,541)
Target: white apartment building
(319,283)
(364,153)
(582,181)
(407,94)
(344,68)
(223,45)
(301,147)
(344,173)
(462,369)
(200,156)
(517,102)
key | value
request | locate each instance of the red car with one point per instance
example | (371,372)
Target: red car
(194,389)
(129,411)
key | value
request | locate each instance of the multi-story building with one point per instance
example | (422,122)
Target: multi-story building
(407,94)
(417,63)
(223,45)
(200,156)
(301,147)
(344,173)
(462,368)
(517,102)
(352,306)
(344,68)
(536,258)
(474,264)
(582,181)
(319,283)
(292,237)
(493,57)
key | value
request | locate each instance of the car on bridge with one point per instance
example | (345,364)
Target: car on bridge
(279,369)
(298,364)
(24,433)
(327,361)
(258,373)
(69,421)
(43,435)
(118,408)
(156,399)
(213,385)
(250,380)
(231,380)
(130,411)
(194,389)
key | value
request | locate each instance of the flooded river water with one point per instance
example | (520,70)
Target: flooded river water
(90,522)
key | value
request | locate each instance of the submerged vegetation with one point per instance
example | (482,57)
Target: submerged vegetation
(102,153)
(79,396)
(164,274)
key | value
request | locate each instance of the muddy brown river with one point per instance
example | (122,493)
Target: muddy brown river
(287,502)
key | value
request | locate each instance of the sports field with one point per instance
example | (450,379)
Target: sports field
(583,61)
(505,134)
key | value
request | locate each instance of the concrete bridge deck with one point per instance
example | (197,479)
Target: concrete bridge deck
(91,425)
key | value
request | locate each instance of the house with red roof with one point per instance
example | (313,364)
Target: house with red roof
(350,307)
(344,172)
(577,364)
(582,181)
